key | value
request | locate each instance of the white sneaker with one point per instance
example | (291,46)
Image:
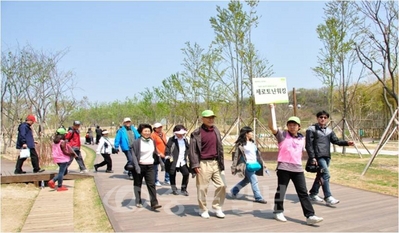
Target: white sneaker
(315,198)
(204,214)
(331,200)
(313,220)
(158,184)
(280,217)
(84,171)
(219,213)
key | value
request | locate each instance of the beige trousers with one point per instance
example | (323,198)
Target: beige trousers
(210,171)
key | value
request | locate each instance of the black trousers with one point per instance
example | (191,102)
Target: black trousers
(298,178)
(34,159)
(107,161)
(147,172)
(98,139)
(185,172)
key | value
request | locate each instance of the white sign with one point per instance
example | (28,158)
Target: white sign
(270,90)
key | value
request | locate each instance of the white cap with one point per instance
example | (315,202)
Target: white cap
(126,119)
(104,132)
(181,131)
(157,125)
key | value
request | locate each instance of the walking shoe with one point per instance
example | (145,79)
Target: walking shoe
(109,171)
(95,167)
(84,171)
(315,198)
(219,213)
(167,182)
(125,172)
(331,201)
(204,214)
(174,192)
(158,184)
(38,171)
(262,201)
(313,220)
(131,176)
(62,188)
(139,205)
(157,206)
(280,217)
(185,193)
(19,172)
(51,184)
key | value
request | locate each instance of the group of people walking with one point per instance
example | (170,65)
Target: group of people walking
(147,147)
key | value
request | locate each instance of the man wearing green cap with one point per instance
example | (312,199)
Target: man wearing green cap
(206,159)
(291,145)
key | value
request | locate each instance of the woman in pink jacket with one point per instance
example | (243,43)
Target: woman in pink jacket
(61,156)
(291,145)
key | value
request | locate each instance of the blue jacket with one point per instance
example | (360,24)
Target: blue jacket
(25,136)
(121,138)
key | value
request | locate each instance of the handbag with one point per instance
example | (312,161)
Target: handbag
(114,151)
(24,153)
(311,166)
(253,166)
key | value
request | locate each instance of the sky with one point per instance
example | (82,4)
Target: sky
(117,49)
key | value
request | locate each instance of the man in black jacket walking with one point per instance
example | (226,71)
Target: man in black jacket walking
(318,140)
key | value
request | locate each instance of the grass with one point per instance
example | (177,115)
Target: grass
(89,212)
(16,202)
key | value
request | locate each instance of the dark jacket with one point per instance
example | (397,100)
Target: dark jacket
(136,148)
(240,163)
(318,141)
(173,151)
(195,149)
(25,136)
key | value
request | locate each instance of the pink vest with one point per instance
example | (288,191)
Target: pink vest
(290,149)
(58,155)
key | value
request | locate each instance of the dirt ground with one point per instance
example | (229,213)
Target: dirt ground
(16,202)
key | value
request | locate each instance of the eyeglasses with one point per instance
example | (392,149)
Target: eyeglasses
(323,117)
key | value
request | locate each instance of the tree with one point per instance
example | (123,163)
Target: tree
(33,84)
(232,28)
(378,48)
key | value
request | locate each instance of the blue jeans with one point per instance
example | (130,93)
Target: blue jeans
(61,173)
(129,158)
(323,176)
(250,177)
(167,177)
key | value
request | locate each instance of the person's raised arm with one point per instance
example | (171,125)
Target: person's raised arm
(272,119)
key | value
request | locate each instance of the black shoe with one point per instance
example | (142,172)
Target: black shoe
(95,167)
(19,172)
(261,201)
(39,171)
(174,192)
(109,171)
(185,193)
(157,206)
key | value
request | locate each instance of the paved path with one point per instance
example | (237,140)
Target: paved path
(359,211)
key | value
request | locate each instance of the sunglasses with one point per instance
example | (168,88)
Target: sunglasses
(323,117)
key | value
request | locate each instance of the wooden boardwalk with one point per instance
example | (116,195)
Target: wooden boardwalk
(359,211)
(52,210)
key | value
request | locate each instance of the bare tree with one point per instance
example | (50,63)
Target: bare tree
(378,48)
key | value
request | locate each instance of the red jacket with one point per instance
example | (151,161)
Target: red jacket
(73,138)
